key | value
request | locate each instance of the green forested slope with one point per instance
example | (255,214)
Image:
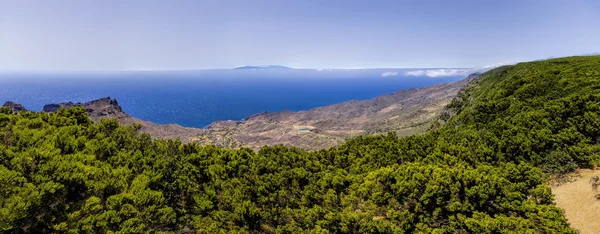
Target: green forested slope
(483,171)
(544,112)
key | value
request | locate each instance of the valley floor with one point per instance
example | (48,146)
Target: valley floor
(576,198)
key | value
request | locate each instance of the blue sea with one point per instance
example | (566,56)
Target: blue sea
(197,98)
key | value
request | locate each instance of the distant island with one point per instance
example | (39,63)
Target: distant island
(262,67)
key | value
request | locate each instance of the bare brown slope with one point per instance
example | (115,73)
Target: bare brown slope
(577,199)
(405,112)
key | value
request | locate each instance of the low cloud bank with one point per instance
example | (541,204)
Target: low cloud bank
(387,74)
(445,72)
(439,72)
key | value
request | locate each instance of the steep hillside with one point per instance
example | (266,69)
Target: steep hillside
(544,112)
(405,112)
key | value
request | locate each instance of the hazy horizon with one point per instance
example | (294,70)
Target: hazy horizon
(195,35)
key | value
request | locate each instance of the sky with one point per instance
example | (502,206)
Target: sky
(207,34)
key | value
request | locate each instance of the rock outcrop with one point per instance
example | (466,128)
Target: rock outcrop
(110,108)
(103,107)
(15,107)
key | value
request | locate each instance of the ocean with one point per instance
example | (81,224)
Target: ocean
(197,98)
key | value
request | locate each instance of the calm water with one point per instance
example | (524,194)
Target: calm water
(197,98)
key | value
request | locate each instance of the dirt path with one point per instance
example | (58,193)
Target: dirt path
(577,200)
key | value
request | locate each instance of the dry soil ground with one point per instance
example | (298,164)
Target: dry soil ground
(576,198)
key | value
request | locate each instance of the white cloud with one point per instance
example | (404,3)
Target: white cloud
(439,72)
(387,74)
(489,67)
(492,66)
(323,69)
(444,72)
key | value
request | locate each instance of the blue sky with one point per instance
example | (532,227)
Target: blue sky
(202,34)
